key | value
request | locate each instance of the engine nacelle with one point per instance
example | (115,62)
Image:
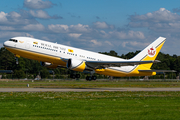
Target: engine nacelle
(76,65)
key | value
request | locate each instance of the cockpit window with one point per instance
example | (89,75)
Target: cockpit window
(13,40)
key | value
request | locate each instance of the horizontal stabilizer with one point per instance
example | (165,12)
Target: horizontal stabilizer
(156,70)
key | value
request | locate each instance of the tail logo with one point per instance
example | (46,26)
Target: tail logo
(151,52)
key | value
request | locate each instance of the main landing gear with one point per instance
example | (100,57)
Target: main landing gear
(89,78)
(75,76)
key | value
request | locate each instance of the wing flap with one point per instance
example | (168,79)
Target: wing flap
(156,70)
(103,64)
(123,62)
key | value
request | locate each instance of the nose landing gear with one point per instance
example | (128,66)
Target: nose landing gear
(16,58)
(17,62)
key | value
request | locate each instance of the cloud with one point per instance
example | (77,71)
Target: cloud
(102,25)
(14,18)
(7,34)
(83,34)
(7,28)
(3,17)
(124,44)
(14,15)
(37,4)
(127,35)
(74,16)
(95,42)
(103,34)
(176,9)
(34,27)
(162,15)
(74,35)
(134,45)
(109,43)
(24,20)
(29,35)
(158,21)
(39,14)
(79,28)
(14,21)
(58,28)
(43,15)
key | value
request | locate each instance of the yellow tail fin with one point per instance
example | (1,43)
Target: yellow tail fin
(150,52)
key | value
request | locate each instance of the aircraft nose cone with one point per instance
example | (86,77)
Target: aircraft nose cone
(5,43)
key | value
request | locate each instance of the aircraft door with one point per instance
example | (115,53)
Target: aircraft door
(15,45)
(27,45)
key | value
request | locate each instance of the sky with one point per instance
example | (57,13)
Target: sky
(96,25)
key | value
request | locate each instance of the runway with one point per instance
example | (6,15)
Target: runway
(83,89)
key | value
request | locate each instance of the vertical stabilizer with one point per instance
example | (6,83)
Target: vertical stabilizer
(150,52)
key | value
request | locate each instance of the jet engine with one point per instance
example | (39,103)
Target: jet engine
(76,65)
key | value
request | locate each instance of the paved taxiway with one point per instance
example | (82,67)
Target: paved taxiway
(83,89)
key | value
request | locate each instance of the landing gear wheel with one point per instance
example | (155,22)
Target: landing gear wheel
(77,75)
(94,77)
(88,78)
(72,76)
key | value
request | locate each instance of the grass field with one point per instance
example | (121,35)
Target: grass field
(90,105)
(85,84)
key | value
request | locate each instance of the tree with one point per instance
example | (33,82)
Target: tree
(44,73)
(7,60)
(19,74)
(113,53)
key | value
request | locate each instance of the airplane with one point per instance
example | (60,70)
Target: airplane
(55,55)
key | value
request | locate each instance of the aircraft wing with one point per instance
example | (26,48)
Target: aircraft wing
(102,64)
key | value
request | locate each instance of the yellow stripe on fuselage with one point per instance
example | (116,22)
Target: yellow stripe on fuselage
(133,72)
(36,56)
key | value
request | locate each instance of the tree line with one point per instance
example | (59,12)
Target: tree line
(28,68)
